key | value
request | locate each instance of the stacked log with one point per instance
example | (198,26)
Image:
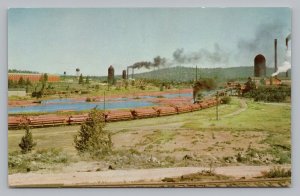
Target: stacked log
(183,108)
(195,107)
(77,119)
(118,116)
(203,105)
(16,121)
(165,110)
(36,121)
(144,113)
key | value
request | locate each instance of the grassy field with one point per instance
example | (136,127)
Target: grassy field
(247,132)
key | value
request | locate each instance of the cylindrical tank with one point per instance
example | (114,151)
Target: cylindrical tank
(111,75)
(259,66)
(77,72)
(124,74)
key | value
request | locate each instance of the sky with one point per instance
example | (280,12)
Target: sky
(54,40)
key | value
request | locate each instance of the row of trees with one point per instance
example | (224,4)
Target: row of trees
(39,93)
(81,80)
(269,93)
(21,83)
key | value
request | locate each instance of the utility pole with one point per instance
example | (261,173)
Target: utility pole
(196,73)
(104,102)
(217,106)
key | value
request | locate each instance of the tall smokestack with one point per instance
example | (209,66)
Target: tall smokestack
(275,60)
(124,74)
(132,72)
(196,73)
(287,39)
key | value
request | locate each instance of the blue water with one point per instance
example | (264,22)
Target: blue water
(79,106)
(64,100)
(168,95)
(54,105)
(178,95)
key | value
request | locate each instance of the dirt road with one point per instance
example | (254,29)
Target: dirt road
(126,176)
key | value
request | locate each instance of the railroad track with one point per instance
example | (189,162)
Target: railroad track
(273,182)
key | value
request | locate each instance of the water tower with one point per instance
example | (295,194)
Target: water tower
(77,72)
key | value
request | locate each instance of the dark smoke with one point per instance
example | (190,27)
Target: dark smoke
(217,57)
(264,33)
(263,43)
(157,62)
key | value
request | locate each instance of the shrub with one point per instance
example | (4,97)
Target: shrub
(270,93)
(277,172)
(88,99)
(226,100)
(18,162)
(161,88)
(92,138)
(203,84)
(27,143)
(284,158)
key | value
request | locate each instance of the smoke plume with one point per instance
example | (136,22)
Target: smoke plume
(218,57)
(157,62)
(286,64)
(263,43)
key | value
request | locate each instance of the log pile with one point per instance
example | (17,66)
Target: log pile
(116,115)
(77,119)
(183,108)
(165,110)
(144,113)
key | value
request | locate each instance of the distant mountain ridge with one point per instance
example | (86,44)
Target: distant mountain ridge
(189,73)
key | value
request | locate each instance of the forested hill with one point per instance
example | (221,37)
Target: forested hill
(189,73)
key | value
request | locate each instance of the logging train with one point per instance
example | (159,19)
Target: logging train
(17,122)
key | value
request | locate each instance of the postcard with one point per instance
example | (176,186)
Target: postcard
(149,97)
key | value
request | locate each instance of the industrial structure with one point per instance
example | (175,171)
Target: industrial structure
(132,71)
(77,72)
(111,75)
(275,55)
(260,66)
(124,76)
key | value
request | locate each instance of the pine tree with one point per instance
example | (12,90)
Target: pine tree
(45,77)
(87,80)
(27,143)
(21,82)
(28,82)
(203,84)
(92,138)
(80,79)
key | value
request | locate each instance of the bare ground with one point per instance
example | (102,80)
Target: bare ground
(128,176)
